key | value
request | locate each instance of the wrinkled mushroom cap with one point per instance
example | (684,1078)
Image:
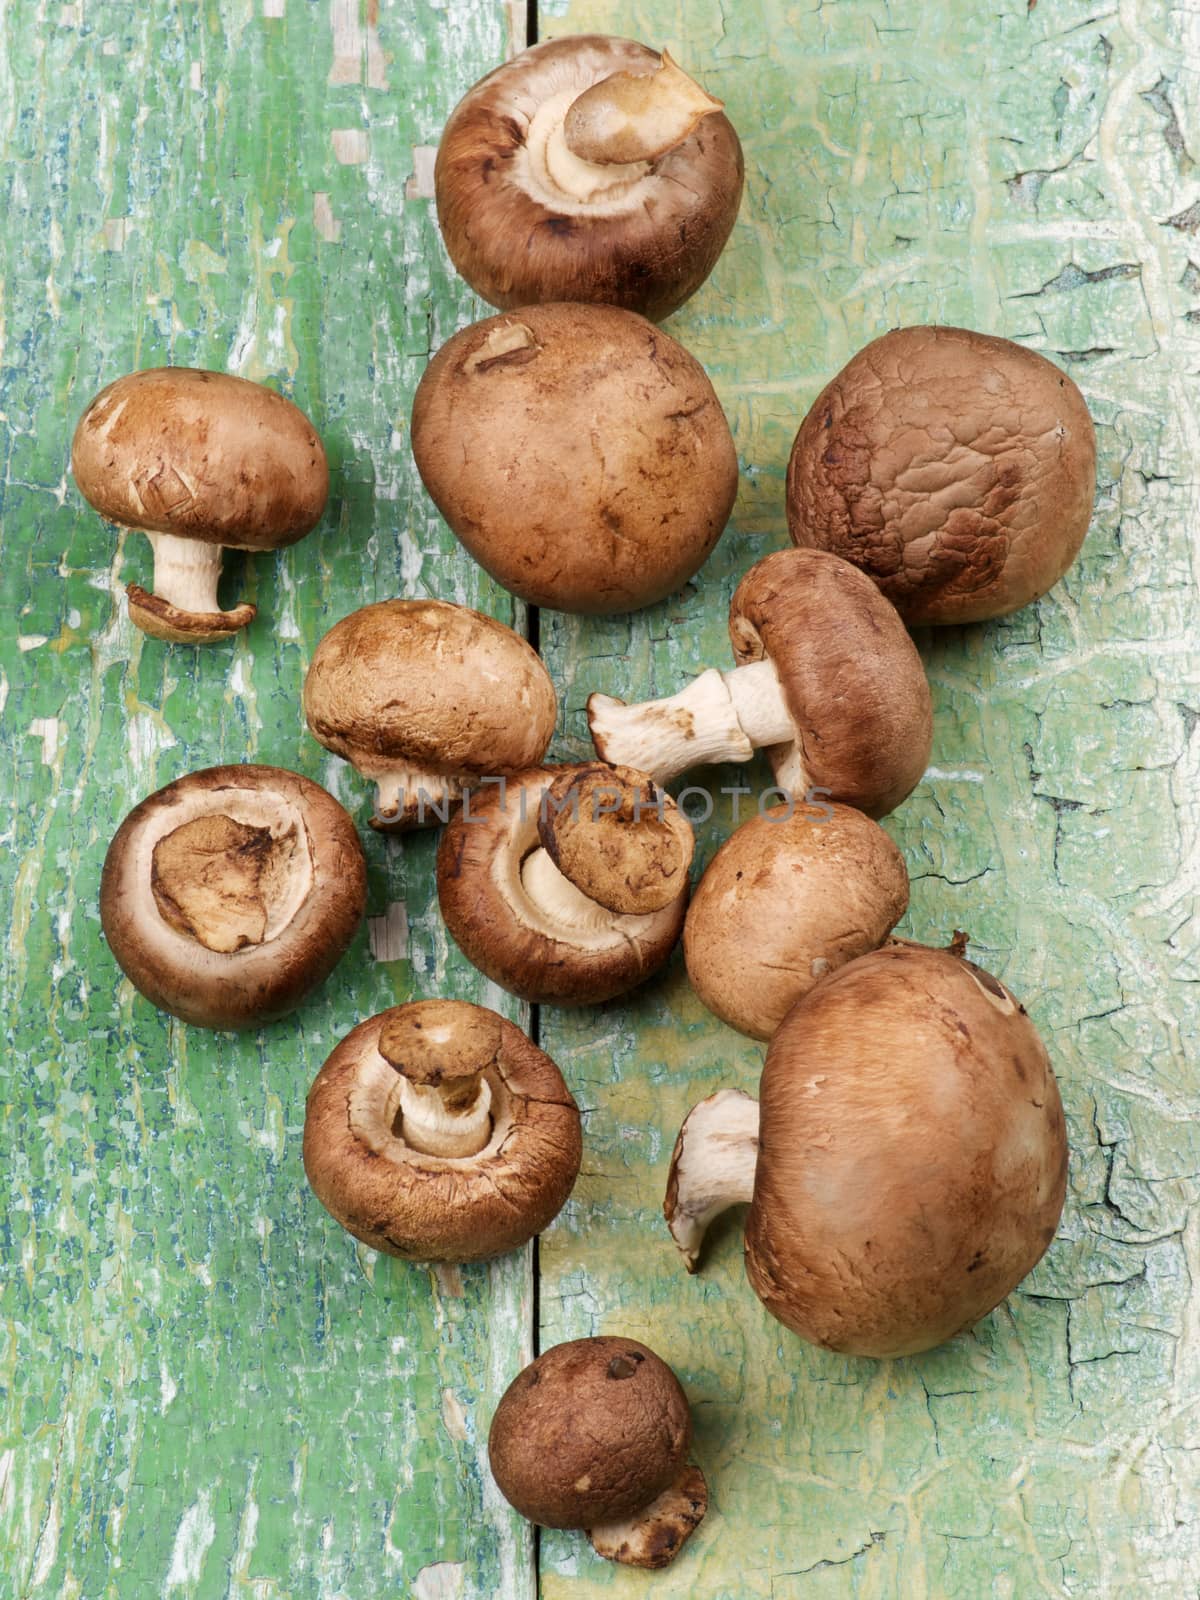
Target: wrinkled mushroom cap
(956,469)
(590,1432)
(789,897)
(231,893)
(504,932)
(912,1155)
(426,1207)
(580,455)
(851,676)
(518,244)
(201,455)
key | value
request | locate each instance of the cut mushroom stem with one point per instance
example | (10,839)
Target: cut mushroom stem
(636,116)
(184,604)
(712,1167)
(719,716)
(406,797)
(442,1049)
(654,1536)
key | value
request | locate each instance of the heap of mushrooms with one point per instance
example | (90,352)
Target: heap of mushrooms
(580,455)
(567,885)
(437,1131)
(828,681)
(198,462)
(595,1434)
(905,1164)
(588,169)
(423,697)
(231,893)
(956,469)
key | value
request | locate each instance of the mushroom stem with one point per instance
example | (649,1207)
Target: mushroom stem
(712,1167)
(654,1536)
(406,797)
(636,116)
(447,1119)
(183,606)
(441,1049)
(719,716)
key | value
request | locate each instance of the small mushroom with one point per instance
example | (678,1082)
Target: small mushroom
(588,169)
(828,681)
(956,469)
(437,1131)
(422,697)
(790,896)
(198,461)
(594,1434)
(231,893)
(580,455)
(602,920)
(909,1163)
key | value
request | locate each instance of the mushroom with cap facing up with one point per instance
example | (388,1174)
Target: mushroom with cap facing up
(957,470)
(437,1131)
(906,1164)
(580,455)
(568,885)
(595,1434)
(828,681)
(228,895)
(588,169)
(790,896)
(422,697)
(198,462)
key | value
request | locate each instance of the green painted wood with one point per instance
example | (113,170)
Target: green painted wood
(208,1390)
(1029,170)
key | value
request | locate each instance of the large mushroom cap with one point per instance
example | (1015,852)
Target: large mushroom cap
(527,219)
(579,453)
(957,469)
(850,675)
(590,1432)
(425,693)
(422,1206)
(912,1154)
(231,893)
(790,896)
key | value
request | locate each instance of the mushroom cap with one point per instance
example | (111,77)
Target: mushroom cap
(201,455)
(790,896)
(232,892)
(509,937)
(518,246)
(957,469)
(851,676)
(618,837)
(440,1208)
(429,684)
(593,1430)
(580,455)
(912,1155)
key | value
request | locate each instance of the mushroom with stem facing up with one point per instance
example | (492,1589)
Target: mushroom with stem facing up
(588,169)
(594,1434)
(828,682)
(437,1131)
(567,885)
(232,892)
(906,1163)
(198,462)
(423,697)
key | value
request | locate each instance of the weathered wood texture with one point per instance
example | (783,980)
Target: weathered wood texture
(1029,170)
(208,1390)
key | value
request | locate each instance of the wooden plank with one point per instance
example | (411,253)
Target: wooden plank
(1027,169)
(208,1389)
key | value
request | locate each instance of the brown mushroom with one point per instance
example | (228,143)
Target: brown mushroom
(198,461)
(556,939)
(579,454)
(437,1131)
(422,697)
(231,893)
(956,469)
(909,1164)
(588,169)
(594,1434)
(828,681)
(790,896)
